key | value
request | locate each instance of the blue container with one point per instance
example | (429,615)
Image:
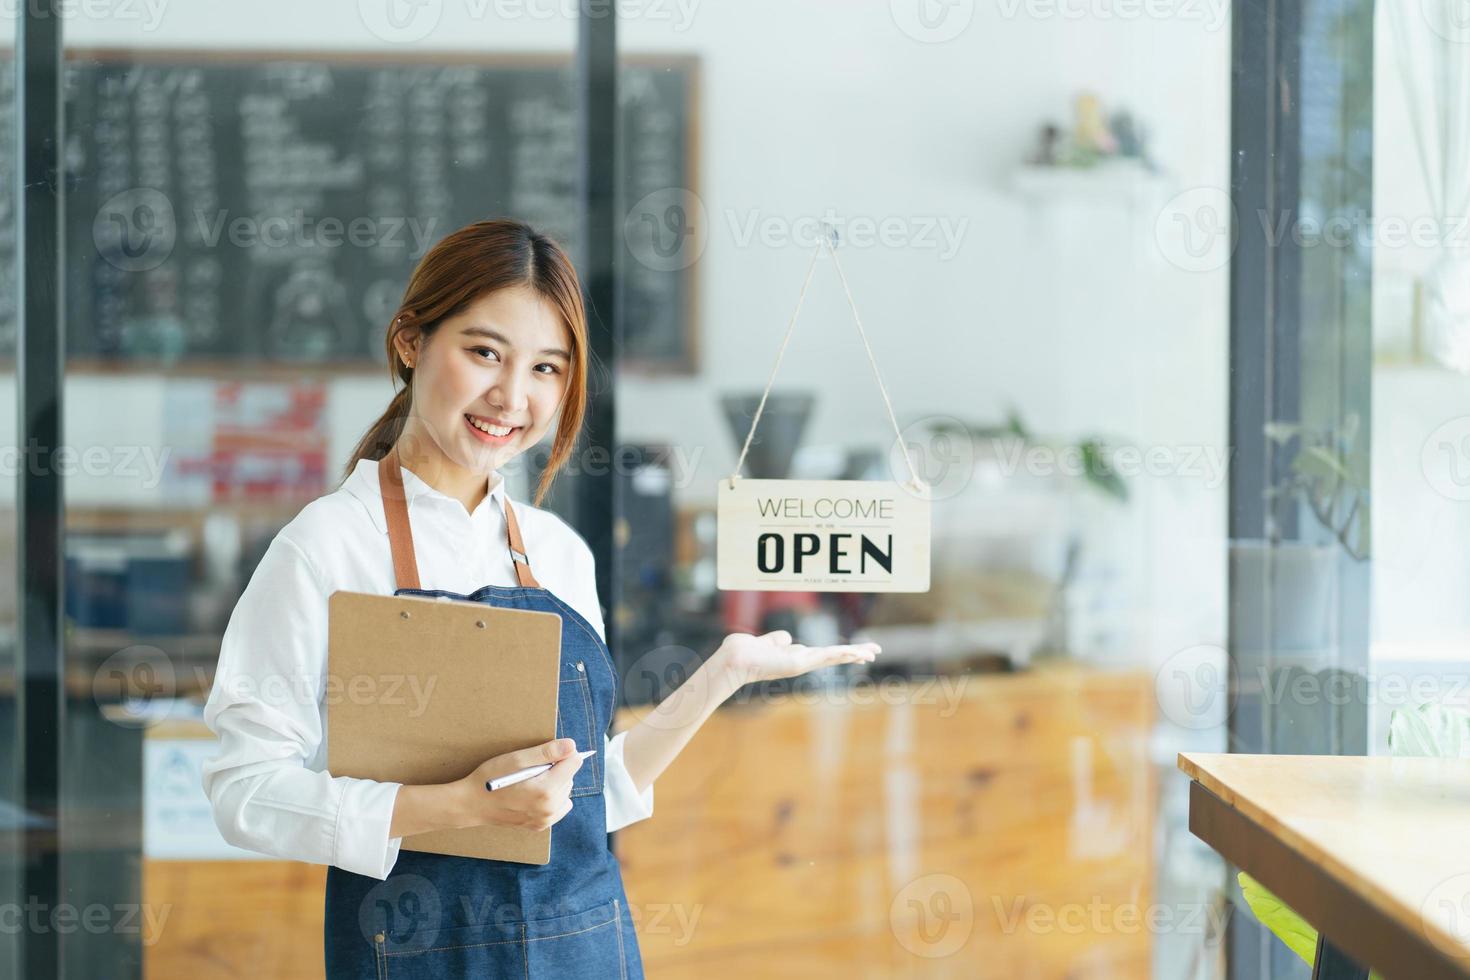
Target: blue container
(134,582)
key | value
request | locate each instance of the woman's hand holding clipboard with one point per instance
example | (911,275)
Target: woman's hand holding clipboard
(533,803)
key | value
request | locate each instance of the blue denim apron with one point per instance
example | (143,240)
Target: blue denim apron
(439,916)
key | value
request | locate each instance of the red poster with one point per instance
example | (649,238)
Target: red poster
(270,441)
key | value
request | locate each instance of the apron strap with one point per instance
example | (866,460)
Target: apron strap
(400,532)
(518,549)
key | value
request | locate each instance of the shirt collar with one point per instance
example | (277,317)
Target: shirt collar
(363,484)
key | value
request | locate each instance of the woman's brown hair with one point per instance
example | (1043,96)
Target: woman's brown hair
(476,260)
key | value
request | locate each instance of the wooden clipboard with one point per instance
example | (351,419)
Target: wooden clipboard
(423,690)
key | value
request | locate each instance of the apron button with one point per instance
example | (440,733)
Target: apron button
(581,666)
(378,938)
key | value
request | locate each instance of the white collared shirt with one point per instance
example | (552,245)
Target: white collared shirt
(268,785)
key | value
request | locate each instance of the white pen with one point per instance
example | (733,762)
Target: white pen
(511,778)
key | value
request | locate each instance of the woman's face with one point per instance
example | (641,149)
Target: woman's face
(501,362)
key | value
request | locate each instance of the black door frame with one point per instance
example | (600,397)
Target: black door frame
(40,708)
(1300,353)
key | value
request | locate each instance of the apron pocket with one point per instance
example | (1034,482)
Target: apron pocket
(574,721)
(490,950)
(584,944)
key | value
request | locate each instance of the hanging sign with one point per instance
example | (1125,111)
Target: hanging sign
(823,535)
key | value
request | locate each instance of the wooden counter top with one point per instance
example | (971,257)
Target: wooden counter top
(1371,850)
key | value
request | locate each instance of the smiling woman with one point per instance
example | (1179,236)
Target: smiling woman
(490,343)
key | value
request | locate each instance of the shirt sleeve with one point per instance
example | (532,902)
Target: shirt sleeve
(266,709)
(625,805)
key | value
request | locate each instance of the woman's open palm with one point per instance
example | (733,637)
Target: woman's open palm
(772,656)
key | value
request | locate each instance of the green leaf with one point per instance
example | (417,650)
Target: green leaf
(1100,474)
(1016,426)
(1277,916)
(1282,920)
(1281,431)
(1430,730)
(1319,462)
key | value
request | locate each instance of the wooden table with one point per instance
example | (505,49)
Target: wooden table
(1373,852)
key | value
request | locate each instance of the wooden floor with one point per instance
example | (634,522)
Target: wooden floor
(997,828)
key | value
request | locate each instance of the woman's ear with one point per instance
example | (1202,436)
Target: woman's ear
(408,344)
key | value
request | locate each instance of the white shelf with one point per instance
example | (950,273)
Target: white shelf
(1115,181)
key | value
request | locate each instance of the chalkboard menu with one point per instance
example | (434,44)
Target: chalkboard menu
(236,208)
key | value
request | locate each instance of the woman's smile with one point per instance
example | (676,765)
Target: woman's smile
(488,432)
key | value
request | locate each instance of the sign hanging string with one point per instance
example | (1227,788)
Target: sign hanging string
(828,241)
